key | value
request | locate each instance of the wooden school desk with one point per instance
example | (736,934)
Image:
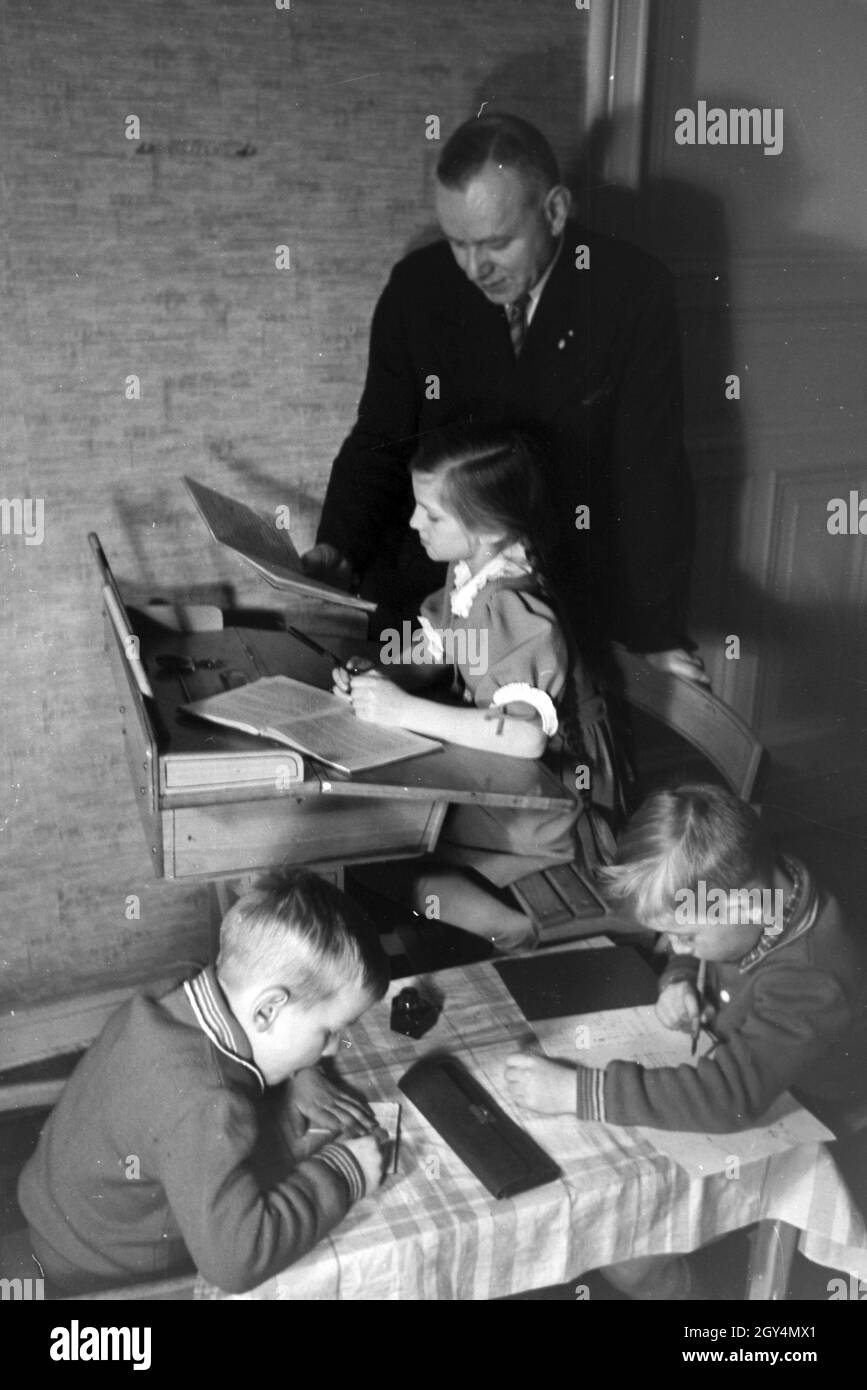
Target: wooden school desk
(326,819)
(434,1232)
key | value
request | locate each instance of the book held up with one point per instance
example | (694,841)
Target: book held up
(263,545)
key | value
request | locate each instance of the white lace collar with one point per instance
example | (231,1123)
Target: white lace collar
(465,586)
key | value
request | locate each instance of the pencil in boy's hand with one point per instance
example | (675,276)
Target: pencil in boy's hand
(696,1032)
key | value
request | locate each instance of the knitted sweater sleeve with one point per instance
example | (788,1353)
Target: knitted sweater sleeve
(239,1233)
(796,1012)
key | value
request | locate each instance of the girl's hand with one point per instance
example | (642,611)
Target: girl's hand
(538,1084)
(342,675)
(377,700)
(342,681)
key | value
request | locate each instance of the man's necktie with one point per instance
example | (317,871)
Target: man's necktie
(517,316)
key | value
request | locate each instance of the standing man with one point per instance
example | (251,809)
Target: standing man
(520,316)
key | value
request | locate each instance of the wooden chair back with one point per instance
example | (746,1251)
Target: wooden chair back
(697,715)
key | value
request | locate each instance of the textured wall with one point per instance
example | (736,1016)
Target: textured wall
(161,265)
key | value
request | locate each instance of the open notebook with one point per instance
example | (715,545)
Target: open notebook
(263,545)
(312,721)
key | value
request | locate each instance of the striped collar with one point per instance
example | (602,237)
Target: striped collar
(800,911)
(216,1020)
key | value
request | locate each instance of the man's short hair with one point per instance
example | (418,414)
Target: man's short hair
(499,139)
(299,931)
(678,837)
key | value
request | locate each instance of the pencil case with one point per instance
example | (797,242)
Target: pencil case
(484,1137)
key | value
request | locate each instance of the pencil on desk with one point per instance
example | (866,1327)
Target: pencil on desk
(696,1032)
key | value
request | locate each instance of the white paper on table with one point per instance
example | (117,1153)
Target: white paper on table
(636,1035)
(628,1035)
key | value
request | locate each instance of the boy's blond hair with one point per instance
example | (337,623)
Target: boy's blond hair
(299,931)
(677,838)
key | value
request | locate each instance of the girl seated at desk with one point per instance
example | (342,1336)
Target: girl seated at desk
(482,505)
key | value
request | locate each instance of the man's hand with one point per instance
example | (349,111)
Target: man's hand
(325,1106)
(325,562)
(679,662)
(370,1151)
(678,1007)
(538,1084)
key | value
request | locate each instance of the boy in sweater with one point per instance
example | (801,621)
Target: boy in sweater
(758,952)
(177,1140)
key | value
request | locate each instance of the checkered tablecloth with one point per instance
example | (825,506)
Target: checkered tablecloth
(434,1232)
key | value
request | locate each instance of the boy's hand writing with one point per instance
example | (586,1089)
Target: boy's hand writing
(370,1151)
(325,1106)
(678,1007)
(539,1084)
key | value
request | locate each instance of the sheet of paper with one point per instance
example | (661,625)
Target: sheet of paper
(785,1126)
(636,1035)
(632,1035)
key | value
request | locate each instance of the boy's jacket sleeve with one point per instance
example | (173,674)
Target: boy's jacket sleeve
(795,1014)
(239,1232)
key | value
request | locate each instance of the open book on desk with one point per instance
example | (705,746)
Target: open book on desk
(312,721)
(263,545)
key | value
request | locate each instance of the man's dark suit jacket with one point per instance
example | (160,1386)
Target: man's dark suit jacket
(599,374)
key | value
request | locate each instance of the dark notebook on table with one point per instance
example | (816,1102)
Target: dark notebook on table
(562,983)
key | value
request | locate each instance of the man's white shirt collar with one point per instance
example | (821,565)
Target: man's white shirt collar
(536,291)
